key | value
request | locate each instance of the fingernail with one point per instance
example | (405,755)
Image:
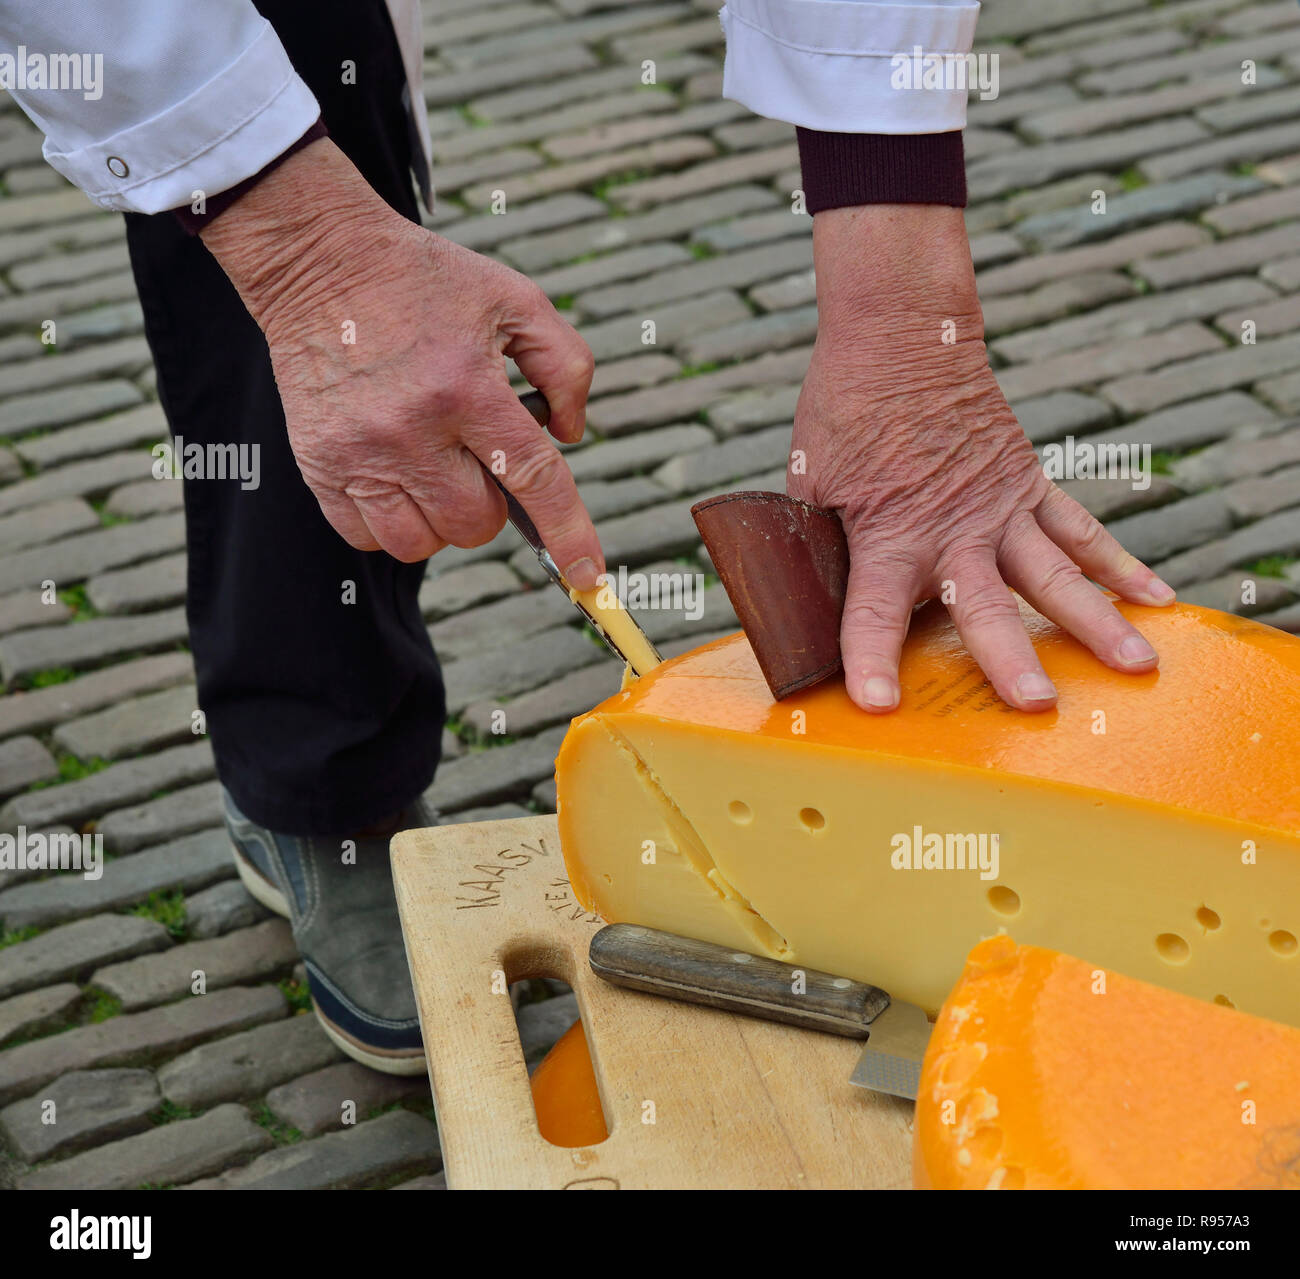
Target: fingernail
(1134,650)
(1035,687)
(1160,592)
(880,691)
(581,574)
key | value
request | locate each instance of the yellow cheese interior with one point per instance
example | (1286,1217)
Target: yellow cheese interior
(620,626)
(779,842)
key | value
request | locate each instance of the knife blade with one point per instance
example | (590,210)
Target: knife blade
(612,621)
(697,972)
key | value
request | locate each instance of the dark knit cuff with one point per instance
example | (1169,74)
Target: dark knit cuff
(842,169)
(219,203)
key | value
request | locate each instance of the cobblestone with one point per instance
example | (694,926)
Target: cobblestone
(221,909)
(159,719)
(190,809)
(1239,592)
(626,334)
(728,270)
(1061,413)
(23,760)
(246,1065)
(377,1150)
(45,523)
(153,584)
(1223,257)
(243,956)
(165,1155)
(83,644)
(73,559)
(36,1010)
(72,951)
(40,708)
(90,1107)
(1127,210)
(1237,457)
(134,1038)
(1277,534)
(501,672)
(1031,271)
(1203,374)
(190,862)
(64,405)
(1093,364)
(315,1102)
(1131,319)
(1192,423)
(501,773)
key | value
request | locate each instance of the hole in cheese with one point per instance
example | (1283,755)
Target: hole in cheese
(811,819)
(1208,919)
(1006,901)
(1224,1001)
(740,812)
(1282,942)
(1173,949)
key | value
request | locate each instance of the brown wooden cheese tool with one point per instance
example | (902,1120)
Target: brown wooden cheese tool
(785,567)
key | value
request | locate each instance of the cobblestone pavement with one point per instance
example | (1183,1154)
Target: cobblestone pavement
(626,202)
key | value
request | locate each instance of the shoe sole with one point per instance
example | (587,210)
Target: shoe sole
(259,886)
(406,1064)
(273,899)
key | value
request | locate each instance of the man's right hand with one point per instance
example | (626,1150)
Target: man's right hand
(388,345)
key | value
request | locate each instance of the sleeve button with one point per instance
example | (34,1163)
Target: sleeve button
(117,166)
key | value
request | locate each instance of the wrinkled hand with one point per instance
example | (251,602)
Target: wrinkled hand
(940,493)
(388,346)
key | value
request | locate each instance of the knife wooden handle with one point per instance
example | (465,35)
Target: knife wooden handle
(698,972)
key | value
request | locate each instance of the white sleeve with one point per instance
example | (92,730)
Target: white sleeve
(145,102)
(851,66)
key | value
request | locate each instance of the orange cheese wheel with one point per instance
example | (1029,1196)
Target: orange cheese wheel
(565,1095)
(1149,822)
(1046,1072)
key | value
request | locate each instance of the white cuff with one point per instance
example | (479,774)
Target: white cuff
(847,67)
(224,132)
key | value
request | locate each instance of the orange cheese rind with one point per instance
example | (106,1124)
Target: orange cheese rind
(1046,1072)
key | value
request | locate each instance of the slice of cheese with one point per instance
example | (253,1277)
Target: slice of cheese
(1151,822)
(1045,1072)
(603,606)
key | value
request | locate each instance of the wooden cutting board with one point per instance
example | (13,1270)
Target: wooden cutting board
(693,1098)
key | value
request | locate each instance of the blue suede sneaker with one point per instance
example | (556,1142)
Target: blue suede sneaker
(344,916)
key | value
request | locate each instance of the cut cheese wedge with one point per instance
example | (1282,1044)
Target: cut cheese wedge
(1045,1072)
(1151,822)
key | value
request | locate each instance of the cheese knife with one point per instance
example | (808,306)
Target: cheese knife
(698,972)
(621,632)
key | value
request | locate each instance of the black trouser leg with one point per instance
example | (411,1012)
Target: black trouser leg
(325,715)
